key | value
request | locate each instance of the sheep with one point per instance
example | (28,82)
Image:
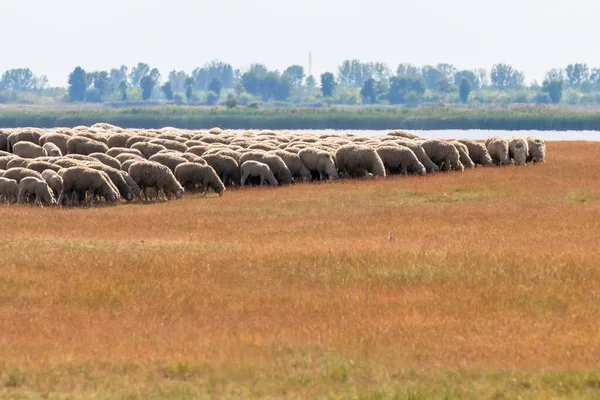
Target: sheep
(117,151)
(416,148)
(126,164)
(81,157)
(400,159)
(280,170)
(170,144)
(320,163)
(294,164)
(537,150)
(357,160)
(77,181)
(226,168)
(41,166)
(5,159)
(85,146)
(403,134)
(213,139)
(255,168)
(67,162)
(118,140)
(101,138)
(193,143)
(173,137)
(262,146)
(4,134)
(29,150)
(137,139)
(148,149)
(107,160)
(193,158)
(478,153)
(152,174)
(498,150)
(54,181)
(135,189)
(224,151)
(198,150)
(58,139)
(126,157)
(169,160)
(463,152)
(518,150)
(31,135)
(199,176)
(52,150)
(9,190)
(37,187)
(116,178)
(106,127)
(443,154)
(18,162)
(19,173)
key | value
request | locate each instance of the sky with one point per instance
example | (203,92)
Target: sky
(52,37)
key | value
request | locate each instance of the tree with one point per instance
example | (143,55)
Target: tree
(432,76)
(118,75)
(215,86)
(250,82)
(18,79)
(464,89)
(77,84)
(577,74)
(295,75)
(504,76)
(177,80)
(167,90)
(147,84)
(368,91)
(310,84)
(353,73)
(101,81)
(138,72)
(471,76)
(327,84)
(407,69)
(405,88)
(211,98)
(189,88)
(123,90)
(554,89)
(227,76)
(555,74)
(92,95)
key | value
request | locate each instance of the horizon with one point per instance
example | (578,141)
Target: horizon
(173,36)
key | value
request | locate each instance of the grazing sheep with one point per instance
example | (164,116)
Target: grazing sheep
(319,162)
(85,146)
(100,138)
(198,150)
(152,174)
(5,159)
(478,153)
(116,178)
(77,181)
(463,152)
(537,150)
(498,150)
(58,139)
(117,151)
(224,151)
(126,164)
(400,159)
(52,150)
(358,161)
(126,157)
(29,150)
(31,135)
(168,159)
(204,177)
(54,181)
(4,140)
(148,149)
(280,170)
(17,162)
(258,169)
(193,143)
(41,166)
(107,160)
(416,148)
(403,134)
(81,157)
(170,144)
(213,139)
(295,165)
(518,150)
(443,154)
(67,162)
(135,189)
(36,187)
(137,139)
(9,190)
(19,173)
(118,140)
(226,168)
(193,158)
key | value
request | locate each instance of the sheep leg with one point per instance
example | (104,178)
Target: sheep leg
(262,179)
(145,194)
(244,177)
(21,199)
(204,190)
(404,171)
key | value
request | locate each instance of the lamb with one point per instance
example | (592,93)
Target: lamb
(358,160)
(29,150)
(31,135)
(537,150)
(54,181)
(37,187)
(400,159)
(424,159)
(85,146)
(169,160)
(107,160)
(463,152)
(478,153)
(319,162)
(518,150)
(443,154)
(77,181)
(9,190)
(199,176)
(498,149)
(148,149)
(255,168)
(152,174)
(58,139)
(52,150)
(280,170)
(19,173)
(116,178)
(226,168)
(117,151)
(294,164)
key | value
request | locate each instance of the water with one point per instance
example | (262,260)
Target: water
(480,134)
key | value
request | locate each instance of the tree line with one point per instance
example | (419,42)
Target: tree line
(354,82)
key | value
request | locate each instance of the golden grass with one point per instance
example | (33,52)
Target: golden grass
(491,287)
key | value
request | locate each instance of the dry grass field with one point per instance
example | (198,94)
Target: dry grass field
(490,288)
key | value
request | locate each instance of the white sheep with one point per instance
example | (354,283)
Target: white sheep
(319,162)
(52,149)
(54,181)
(537,150)
(477,152)
(29,150)
(84,146)
(358,160)
(9,190)
(400,159)
(36,187)
(498,150)
(443,154)
(77,181)
(152,174)
(204,177)
(257,169)
(518,150)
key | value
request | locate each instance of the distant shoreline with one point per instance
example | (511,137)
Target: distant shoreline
(423,118)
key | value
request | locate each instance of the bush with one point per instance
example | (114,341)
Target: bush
(92,95)
(245,99)
(231,102)
(212,98)
(253,105)
(542,98)
(178,99)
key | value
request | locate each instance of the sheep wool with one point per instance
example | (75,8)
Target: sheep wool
(152,174)
(498,150)
(36,187)
(443,154)
(9,190)
(357,160)
(319,162)
(29,150)
(226,167)
(258,169)
(478,153)
(400,159)
(537,150)
(518,150)
(204,177)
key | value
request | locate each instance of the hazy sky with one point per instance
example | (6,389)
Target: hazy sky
(52,37)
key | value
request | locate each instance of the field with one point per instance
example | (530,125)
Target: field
(427,118)
(482,284)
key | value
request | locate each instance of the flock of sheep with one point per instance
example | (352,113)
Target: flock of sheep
(105,163)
